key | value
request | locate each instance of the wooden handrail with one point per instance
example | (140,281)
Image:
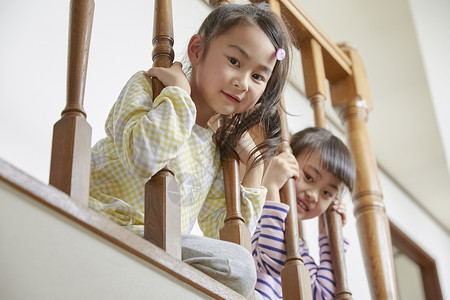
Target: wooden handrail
(337,64)
(70,160)
(162,225)
(314,75)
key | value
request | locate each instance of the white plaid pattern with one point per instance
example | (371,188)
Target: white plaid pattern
(143,136)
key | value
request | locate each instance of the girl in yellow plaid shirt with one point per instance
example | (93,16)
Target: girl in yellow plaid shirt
(238,67)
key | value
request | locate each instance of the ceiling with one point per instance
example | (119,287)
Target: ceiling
(402,125)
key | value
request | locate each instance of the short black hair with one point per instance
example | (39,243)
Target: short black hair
(335,156)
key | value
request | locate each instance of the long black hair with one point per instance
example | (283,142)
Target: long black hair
(218,22)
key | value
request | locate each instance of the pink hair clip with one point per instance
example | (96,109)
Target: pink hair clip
(280,54)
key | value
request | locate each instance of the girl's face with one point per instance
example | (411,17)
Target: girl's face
(315,188)
(233,73)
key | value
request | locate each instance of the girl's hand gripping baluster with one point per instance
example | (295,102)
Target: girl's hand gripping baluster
(280,169)
(340,206)
(173,76)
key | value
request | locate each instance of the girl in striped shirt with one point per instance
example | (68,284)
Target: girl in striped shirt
(322,167)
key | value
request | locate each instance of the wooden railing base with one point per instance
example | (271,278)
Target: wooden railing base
(296,269)
(71,156)
(236,232)
(162,225)
(343,296)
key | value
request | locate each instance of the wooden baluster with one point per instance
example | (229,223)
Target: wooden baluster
(295,280)
(70,161)
(234,229)
(314,75)
(351,98)
(162,225)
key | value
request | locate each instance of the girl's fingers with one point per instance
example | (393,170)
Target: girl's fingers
(340,207)
(173,76)
(154,71)
(336,205)
(178,65)
(280,169)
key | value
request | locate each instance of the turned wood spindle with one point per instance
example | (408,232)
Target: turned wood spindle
(70,160)
(162,224)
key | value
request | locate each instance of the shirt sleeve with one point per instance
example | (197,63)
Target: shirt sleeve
(323,284)
(213,213)
(148,134)
(268,244)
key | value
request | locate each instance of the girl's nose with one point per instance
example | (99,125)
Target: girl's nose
(241,82)
(311,196)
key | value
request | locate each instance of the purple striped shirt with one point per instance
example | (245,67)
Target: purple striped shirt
(269,254)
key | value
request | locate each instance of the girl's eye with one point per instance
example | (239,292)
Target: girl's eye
(258,77)
(328,194)
(234,61)
(308,177)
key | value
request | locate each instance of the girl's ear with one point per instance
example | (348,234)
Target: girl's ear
(195,49)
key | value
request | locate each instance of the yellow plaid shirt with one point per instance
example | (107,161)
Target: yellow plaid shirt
(143,136)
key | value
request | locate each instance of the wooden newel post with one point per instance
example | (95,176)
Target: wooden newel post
(70,161)
(162,224)
(234,229)
(352,100)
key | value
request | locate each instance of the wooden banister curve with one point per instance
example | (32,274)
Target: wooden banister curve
(337,64)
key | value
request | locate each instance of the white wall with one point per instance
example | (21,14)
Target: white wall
(71,262)
(432,24)
(33,60)
(33,35)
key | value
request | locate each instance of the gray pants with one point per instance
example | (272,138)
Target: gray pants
(226,262)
